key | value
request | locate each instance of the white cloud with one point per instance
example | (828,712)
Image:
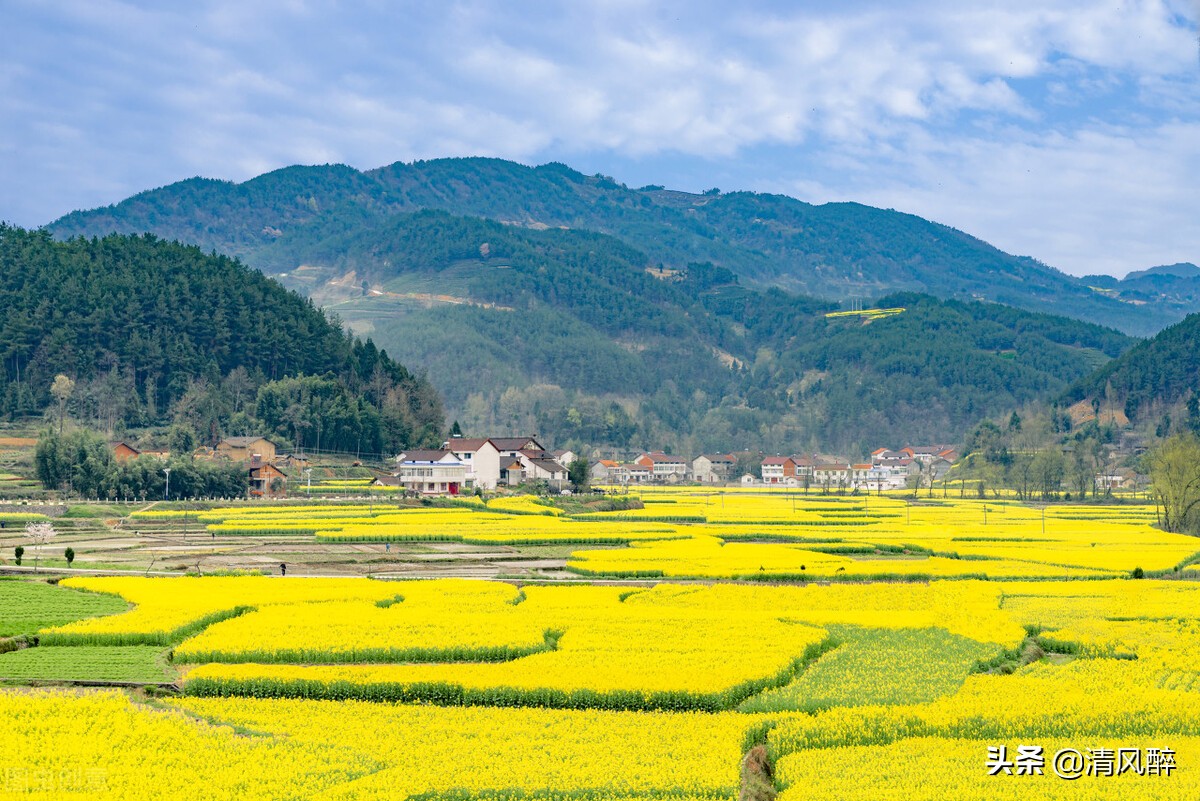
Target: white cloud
(974,114)
(1104,200)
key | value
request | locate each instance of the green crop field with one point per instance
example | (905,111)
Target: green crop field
(140,663)
(27,606)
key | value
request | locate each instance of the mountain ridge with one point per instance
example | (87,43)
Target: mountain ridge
(836,251)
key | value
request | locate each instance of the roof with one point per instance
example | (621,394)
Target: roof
(387,481)
(802,461)
(121,442)
(242,442)
(608,463)
(659,456)
(718,457)
(513,443)
(422,455)
(833,467)
(549,465)
(777,460)
(464,444)
(863,466)
(558,454)
(430,462)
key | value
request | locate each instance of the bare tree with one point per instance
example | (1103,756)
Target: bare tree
(40,533)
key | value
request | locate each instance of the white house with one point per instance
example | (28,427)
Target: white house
(487,460)
(664,467)
(831,476)
(777,469)
(431,472)
(539,466)
(635,473)
(713,468)
(603,471)
(481,458)
(882,477)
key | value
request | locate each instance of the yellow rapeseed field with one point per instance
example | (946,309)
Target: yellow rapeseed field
(998,625)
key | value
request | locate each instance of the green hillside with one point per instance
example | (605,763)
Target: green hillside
(152,331)
(284,219)
(1153,374)
(576,336)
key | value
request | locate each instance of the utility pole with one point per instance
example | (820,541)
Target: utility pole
(167,496)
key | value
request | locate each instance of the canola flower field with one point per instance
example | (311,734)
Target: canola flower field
(1003,638)
(763,535)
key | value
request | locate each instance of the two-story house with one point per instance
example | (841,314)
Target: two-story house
(713,468)
(778,469)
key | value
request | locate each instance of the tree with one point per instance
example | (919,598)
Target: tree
(746,463)
(181,440)
(79,461)
(69,554)
(579,472)
(40,533)
(61,389)
(456,430)
(19,553)
(1048,468)
(1175,478)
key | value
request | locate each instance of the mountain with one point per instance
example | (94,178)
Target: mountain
(1179,270)
(1172,288)
(582,338)
(1156,373)
(152,331)
(285,219)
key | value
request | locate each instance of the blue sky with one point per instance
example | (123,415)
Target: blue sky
(1064,130)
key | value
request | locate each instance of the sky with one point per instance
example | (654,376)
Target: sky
(1065,130)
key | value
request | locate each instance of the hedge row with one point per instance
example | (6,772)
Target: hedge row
(499,653)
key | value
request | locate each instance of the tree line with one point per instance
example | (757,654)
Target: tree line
(152,331)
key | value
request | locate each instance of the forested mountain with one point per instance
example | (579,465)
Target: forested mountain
(152,331)
(1150,376)
(575,335)
(837,251)
(1172,288)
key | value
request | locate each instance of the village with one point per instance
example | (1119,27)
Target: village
(464,465)
(487,464)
